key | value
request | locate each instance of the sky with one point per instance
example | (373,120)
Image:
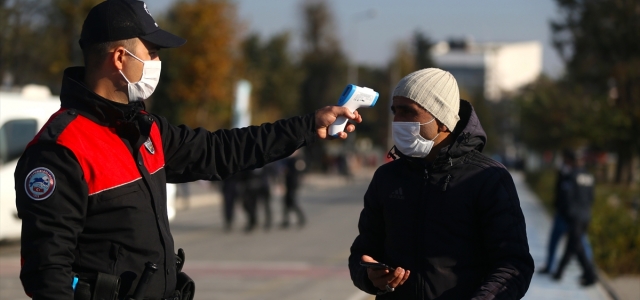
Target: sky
(371,40)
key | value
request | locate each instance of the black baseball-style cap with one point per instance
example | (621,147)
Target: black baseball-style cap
(115,20)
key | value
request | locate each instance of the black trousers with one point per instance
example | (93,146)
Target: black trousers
(291,205)
(576,247)
(250,204)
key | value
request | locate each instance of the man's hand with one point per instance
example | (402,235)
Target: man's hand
(383,277)
(327,115)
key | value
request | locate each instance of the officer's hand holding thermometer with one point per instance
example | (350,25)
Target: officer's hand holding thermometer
(353,97)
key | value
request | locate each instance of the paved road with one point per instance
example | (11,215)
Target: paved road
(307,263)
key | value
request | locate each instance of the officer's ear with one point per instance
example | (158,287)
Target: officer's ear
(116,57)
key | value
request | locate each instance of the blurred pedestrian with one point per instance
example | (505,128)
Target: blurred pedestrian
(445,218)
(560,224)
(256,192)
(229,196)
(293,167)
(344,166)
(183,192)
(575,197)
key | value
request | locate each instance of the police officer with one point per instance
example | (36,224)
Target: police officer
(574,192)
(90,187)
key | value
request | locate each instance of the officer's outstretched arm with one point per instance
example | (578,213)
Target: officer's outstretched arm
(198,154)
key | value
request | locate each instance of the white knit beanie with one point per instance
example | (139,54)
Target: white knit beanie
(436,91)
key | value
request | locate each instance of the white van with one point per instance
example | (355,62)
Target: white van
(21,117)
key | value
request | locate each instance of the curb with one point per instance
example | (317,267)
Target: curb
(605,282)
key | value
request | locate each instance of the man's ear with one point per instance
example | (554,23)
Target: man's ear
(442,127)
(117,57)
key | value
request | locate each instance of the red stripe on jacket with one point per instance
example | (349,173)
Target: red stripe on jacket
(103,156)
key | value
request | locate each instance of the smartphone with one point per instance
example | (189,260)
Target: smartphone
(376,265)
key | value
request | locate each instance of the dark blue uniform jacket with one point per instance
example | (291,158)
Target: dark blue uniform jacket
(91,187)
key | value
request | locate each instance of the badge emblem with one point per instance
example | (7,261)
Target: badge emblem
(145,8)
(40,184)
(149,145)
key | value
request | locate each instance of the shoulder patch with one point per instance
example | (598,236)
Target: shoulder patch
(40,184)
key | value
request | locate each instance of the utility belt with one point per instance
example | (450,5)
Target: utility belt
(101,286)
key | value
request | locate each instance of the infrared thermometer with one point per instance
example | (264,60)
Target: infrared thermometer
(353,97)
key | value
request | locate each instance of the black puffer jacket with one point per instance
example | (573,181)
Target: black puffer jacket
(455,224)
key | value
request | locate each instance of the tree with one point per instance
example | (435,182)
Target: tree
(323,61)
(422,47)
(323,64)
(198,78)
(552,116)
(274,75)
(600,43)
(40,39)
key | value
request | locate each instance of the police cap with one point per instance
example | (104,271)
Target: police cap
(115,20)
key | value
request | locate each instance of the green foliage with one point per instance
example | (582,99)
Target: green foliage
(556,115)
(600,42)
(378,116)
(422,47)
(198,78)
(542,183)
(40,39)
(616,224)
(275,77)
(614,230)
(324,66)
(323,62)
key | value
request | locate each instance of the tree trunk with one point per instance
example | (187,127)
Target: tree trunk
(624,167)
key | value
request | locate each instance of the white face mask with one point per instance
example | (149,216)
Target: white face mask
(408,140)
(143,89)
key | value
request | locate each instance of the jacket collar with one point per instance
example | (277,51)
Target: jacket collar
(76,95)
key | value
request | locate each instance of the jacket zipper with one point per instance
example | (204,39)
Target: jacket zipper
(446,182)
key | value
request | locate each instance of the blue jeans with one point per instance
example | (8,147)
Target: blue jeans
(559,229)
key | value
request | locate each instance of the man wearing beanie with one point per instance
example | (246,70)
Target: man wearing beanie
(443,218)
(91,186)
